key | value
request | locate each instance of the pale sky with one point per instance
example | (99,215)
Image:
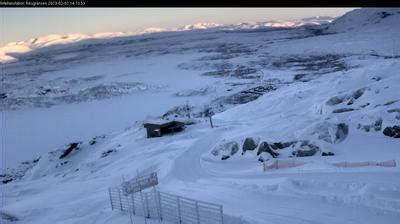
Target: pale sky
(21,24)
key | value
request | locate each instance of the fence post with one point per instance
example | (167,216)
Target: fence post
(133,203)
(120,201)
(179,209)
(146,198)
(159,204)
(129,210)
(111,201)
(222,214)
(197,212)
(143,206)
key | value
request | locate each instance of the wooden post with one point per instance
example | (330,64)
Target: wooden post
(212,126)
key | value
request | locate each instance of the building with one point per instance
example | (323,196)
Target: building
(158,130)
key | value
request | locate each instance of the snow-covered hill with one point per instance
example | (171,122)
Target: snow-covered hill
(280,95)
(369,19)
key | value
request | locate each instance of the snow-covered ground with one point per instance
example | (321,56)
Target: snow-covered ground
(331,88)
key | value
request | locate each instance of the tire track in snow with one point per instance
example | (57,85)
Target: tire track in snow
(188,167)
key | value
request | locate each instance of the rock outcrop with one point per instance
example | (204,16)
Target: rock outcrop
(249,144)
(264,147)
(393,131)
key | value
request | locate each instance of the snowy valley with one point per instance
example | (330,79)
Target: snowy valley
(310,95)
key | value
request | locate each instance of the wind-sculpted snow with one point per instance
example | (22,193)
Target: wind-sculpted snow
(308,97)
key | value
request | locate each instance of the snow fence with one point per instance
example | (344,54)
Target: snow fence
(388,163)
(165,206)
(281,164)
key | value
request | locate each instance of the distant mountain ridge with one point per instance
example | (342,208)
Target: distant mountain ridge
(7,51)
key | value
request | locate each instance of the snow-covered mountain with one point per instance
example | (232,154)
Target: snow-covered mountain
(321,100)
(15,48)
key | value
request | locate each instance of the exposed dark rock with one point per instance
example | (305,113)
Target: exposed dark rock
(225,157)
(302,77)
(5,216)
(341,132)
(365,105)
(107,152)
(376,78)
(244,72)
(310,149)
(234,148)
(3,95)
(249,144)
(95,139)
(69,149)
(316,64)
(396,110)
(336,100)
(306,143)
(249,95)
(351,98)
(342,110)
(384,14)
(390,102)
(378,125)
(281,145)
(241,71)
(7,180)
(328,154)
(17,173)
(366,128)
(229,148)
(351,101)
(304,153)
(62,164)
(358,93)
(179,111)
(393,131)
(264,147)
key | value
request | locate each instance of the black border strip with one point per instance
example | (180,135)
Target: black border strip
(198,3)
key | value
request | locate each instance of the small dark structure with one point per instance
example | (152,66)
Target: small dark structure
(158,130)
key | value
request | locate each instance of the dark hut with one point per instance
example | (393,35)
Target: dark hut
(158,130)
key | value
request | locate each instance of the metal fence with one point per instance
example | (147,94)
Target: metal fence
(164,206)
(140,183)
